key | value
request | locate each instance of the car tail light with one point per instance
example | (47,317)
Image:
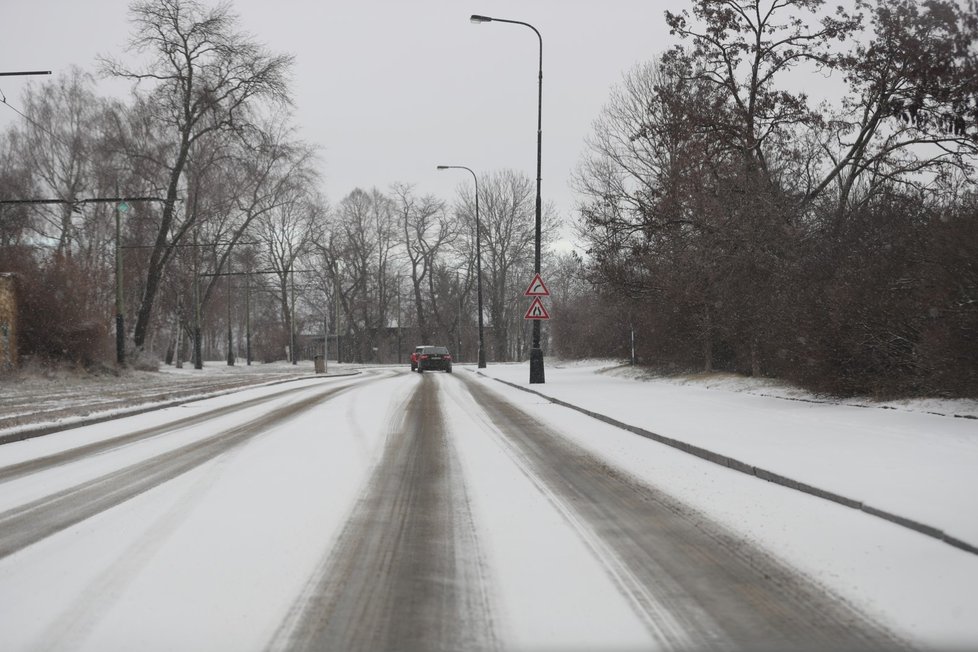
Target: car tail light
(424,357)
(448,357)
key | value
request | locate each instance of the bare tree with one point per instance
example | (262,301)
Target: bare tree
(57,141)
(286,232)
(206,77)
(912,109)
(427,232)
(362,254)
(15,182)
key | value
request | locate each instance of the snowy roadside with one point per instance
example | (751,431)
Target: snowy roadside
(915,460)
(34,404)
(912,459)
(960,408)
(922,588)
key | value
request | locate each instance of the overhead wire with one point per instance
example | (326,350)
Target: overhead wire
(35,123)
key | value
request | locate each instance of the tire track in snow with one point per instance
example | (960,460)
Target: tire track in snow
(695,586)
(39,519)
(22,409)
(405,573)
(73,624)
(20,469)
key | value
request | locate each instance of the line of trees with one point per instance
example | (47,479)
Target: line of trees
(208,131)
(740,227)
(731,223)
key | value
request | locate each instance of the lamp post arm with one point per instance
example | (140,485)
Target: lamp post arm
(535,31)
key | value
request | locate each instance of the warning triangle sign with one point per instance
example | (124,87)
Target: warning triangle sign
(537,288)
(536,310)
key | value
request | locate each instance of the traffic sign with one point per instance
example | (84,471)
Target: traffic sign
(537,288)
(537,310)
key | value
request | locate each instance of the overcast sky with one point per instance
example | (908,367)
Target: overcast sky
(388,89)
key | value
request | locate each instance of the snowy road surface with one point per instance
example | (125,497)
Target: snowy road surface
(386,511)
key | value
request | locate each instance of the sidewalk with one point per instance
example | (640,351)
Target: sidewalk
(899,459)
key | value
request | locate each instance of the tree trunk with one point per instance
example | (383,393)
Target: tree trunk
(159,258)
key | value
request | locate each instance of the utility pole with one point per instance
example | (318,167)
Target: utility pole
(398,319)
(198,360)
(230,340)
(292,318)
(179,343)
(337,321)
(458,319)
(120,327)
(248,318)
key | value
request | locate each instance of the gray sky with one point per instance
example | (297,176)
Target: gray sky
(388,89)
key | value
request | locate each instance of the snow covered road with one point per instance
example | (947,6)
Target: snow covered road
(385,511)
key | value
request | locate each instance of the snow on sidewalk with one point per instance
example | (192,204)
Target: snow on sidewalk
(910,462)
(915,463)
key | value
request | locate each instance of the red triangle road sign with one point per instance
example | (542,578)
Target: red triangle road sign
(537,288)
(537,310)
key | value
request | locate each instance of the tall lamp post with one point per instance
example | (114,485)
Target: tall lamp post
(478,258)
(536,353)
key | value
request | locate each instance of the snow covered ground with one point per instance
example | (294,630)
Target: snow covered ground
(918,461)
(210,560)
(34,398)
(214,558)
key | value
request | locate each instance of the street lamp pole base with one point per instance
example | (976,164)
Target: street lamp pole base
(482,358)
(536,367)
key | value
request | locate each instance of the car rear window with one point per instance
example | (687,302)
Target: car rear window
(436,350)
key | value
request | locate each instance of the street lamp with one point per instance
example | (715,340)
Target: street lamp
(478,258)
(536,353)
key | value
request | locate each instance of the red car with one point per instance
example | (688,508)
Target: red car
(414,357)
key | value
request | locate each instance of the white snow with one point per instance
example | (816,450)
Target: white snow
(917,465)
(211,560)
(553,592)
(215,558)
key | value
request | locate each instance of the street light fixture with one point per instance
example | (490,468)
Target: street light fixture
(536,353)
(478,257)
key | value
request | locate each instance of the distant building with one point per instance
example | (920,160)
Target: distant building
(8,322)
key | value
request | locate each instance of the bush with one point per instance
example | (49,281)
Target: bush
(59,318)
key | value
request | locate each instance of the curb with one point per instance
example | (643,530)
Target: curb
(49,428)
(763,474)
